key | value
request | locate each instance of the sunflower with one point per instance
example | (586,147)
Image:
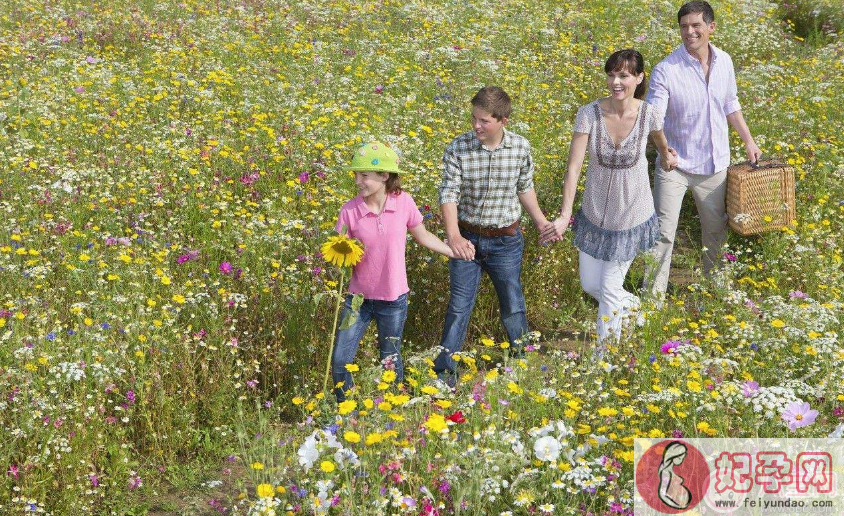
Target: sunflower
(342,251)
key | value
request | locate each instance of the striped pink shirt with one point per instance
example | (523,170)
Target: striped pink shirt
(696,112)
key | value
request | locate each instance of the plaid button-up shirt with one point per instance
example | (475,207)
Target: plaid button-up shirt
(485,184)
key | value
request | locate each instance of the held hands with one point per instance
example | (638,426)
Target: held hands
(461,248)
(669,159)
(553,231)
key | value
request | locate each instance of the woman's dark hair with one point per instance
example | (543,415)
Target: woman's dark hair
(393,185)
(632,61)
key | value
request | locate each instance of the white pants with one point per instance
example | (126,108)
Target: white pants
(709,193)
(605,282)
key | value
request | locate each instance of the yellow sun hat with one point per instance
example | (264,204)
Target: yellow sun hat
(375,156)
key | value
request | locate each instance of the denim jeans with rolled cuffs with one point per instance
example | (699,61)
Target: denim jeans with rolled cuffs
(389,319)
(501,258)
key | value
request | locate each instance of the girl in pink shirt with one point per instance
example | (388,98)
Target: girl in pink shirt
(380,217)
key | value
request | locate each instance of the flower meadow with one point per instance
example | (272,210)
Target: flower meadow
(170,171)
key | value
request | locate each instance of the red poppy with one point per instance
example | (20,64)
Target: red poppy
(457,417)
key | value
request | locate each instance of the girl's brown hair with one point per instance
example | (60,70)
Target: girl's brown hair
(393,185)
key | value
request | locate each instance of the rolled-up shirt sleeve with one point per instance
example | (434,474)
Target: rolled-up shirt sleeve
(731,103)
(452,178)
(658,93)
(525,181)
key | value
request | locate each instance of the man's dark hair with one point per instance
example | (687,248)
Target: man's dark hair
(697,6)
(493,100)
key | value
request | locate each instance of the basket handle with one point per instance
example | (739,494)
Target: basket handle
(756,166)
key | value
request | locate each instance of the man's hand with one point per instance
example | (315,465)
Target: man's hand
(753,152)
(462,248)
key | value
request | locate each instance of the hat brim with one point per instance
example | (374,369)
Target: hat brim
(375,169)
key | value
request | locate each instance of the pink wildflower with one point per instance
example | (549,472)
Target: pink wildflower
(799,414)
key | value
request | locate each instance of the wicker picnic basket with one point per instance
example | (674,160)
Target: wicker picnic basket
(760,196)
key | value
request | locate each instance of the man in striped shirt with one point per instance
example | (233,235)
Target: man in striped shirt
(487,179)
(695,89)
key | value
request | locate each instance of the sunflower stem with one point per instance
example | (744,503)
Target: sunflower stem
(334,327)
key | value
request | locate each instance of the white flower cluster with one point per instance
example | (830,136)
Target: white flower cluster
(732,392)
(829,344)
(70,370)
(771,401)
(663,396)
(688,352)
(551,441)
(735,297)
(491,488)
(583,478)
(725,365)
(805,389)
(512,438)
(321,441)
(548,392)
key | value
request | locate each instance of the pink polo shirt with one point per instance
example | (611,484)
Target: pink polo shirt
(381,274)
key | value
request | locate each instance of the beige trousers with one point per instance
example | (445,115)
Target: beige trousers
(709,192)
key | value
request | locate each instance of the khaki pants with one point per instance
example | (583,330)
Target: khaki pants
(709,193)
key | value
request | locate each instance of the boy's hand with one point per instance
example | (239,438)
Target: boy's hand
(546,232)
(554,230)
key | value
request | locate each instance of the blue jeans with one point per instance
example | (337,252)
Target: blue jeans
(389,318)
(501,258)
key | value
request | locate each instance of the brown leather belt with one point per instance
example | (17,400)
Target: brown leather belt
(510,230)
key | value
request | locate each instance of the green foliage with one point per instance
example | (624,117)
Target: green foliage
(816,22)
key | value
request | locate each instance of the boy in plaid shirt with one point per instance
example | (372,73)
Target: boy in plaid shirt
(487,179)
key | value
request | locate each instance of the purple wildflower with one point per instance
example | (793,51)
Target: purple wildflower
(749,388)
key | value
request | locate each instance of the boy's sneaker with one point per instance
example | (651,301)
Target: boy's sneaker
(445,382)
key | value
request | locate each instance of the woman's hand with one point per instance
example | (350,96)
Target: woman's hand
(554,231)
(669,160)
